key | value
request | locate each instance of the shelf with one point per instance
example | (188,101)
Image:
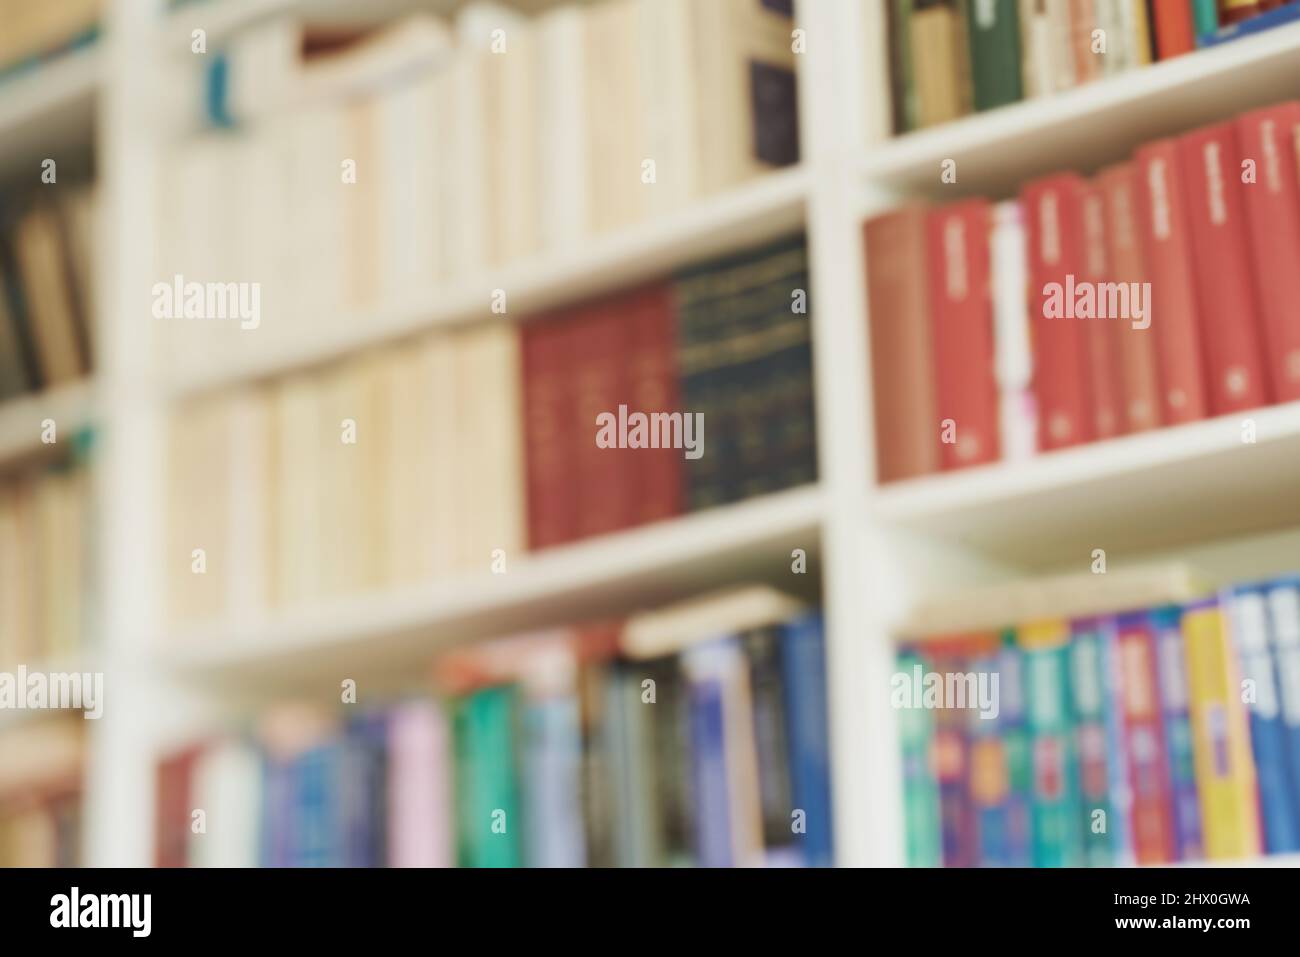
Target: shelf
(613,575)
(1092,125)
(20,419)
(752,213)
(47,110)
(1134,494)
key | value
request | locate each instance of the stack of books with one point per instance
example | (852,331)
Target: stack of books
(1148,736)
(1160,292)
(40,785)
(951,57)
(46,318)
(695,734)
(459,451)
(45,564)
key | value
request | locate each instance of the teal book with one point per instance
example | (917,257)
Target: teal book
(993,29)
(1099,819)
(920,789)
(1055,814)
(488,825)
(1205,16)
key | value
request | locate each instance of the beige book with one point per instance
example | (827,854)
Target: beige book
(490,448)
(51,309)
(361,204)
(616,144)
(197,559)
(564,163)
(670,630)
(33,839)
(248,539)
(440,358)
(407,468)
(515,146)
(298,481)
(409,148)
(77,207)
(18,613)
(59,573)
(668,107)
(936,51)
(463,123)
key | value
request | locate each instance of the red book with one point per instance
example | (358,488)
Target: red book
(659,476)
(1225,282)
(1148,766)
(1106,384)
(1273,212)
(1175,312)
(1174,27)
(1062,385)
(172,821)
(596,344)
(961,322)
(1136,339)
(549,438)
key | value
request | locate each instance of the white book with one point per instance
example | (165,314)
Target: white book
(297,409)
(227,787)
(563,161)
(463,179)
(672,629)
(1036,49)
(249,469)
(420,807)
(440,357)
(1249,624)
(515,146)
(668,103)
(1013,355)
(409,151)
(1119,40)
(616,139)
(1284,619)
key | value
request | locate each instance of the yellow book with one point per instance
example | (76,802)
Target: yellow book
(1225,771)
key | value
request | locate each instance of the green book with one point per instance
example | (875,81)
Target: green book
(1055,812)
(993,29)
(920,789)
(488,826)
(900,65)
(1205,15)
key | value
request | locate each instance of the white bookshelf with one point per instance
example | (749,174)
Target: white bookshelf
(875,549)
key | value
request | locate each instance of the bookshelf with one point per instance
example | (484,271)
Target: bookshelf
(876,549)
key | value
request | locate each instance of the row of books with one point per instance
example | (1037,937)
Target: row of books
(46,318)
(695,734)
(425,153)
(951,57)
(36,30)
(1155,736)
(1161,291)
(461,450)
(40,792)
(45,555)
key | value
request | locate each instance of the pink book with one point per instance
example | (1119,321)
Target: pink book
(419,787)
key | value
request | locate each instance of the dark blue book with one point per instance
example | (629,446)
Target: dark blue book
(709,766)
(803,669)
(1256,24)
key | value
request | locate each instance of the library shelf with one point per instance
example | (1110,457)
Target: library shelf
(1189,483)
(21,417)
(48,109)
(385,632)
(762,209)
(1092,125)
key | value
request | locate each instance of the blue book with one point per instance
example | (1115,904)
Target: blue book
(363,792)
(803,671)
(1249,621)
(1284,634)
(709,767)
(1256,24)
(314,839)
(1014,733)
(1171,676)
(277,813)
(553,829)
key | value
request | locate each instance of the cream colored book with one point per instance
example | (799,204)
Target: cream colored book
(298,506)
(362,216)
(51,309)
(197,557)
(18,620)
(440,358)
(563,163)
(670,630)
(320,242)
(58,560)
(463,183)
(407,471)
(227,784)
(515,187)
(668,103)
(616,142)
(409,150)
(248,532)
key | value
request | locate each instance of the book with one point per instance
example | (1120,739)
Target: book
(941,59)
(1173,26)
(550,405)
(902,345)
(1153,831)
(783,819)
(902,76)
(961,314)
(994,32)
(802,669)
(1166,232)
(951,755)
(1272,202)
(1284,636)
(920,789)
(653,386)
(1236,374)
(419,786)
(51,312)
(990,781)
(1225,771)
(1014,356)
(1100,818)
(1084,20)
(488,822)
(1106,385)
(1171,668)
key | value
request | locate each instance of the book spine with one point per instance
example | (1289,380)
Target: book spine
(951,757)
(773,747)
(939,57)
(1057,838)
(653,387)
(487,806)
(1173,27)
(994,31)
(709,773)
(961,313)
(1225,282)
(1017,420)
(1106,385)
(1088,686)
(1284,620)
(903,388)
(989,779)
(1153,835)
(1249,626)
(920,790)
(1205,16)
(1083,20)
(803,672)
(1175,312)
(1268,137)
(1225,770)
(1053,207)
(549,435)
(1171,669)
(901,68)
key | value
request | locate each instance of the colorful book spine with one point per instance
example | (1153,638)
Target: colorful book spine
(488,821)
(1019,756)
(1057,836)
(920,789)
(1171,667)
(1284,621)
(1174,29)
(951,759)
(1225,279)
(1153,832)
(803,670)
(1249,625)
(709,772)
(1098,817)
(989,775)
(1225,770)
(1018,420)
(1121,791)
(1205,18)
(961,313)
(1273,210)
